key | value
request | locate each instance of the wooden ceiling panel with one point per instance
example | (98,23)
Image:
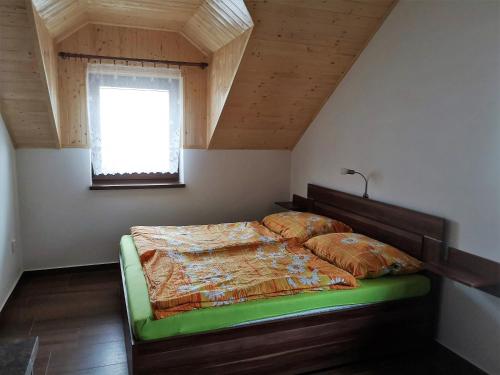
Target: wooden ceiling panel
(24,98)
(169,15)
(297,54)
(216,23)
(209,24)
(61,17)
(221,71)
(273,64)
(65,16)
(363,8)
(176,8)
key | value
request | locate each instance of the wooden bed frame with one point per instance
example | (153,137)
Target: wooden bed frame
(320,340)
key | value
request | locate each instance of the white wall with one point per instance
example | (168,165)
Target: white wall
(10,263)
(65,224)
(419,112)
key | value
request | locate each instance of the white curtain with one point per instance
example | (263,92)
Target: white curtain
(135,116)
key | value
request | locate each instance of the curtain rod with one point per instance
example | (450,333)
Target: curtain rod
(68,55)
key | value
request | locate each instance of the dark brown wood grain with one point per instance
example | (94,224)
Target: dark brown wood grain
(304,204)
(291,345)
(327,339)
(468,269)
(122,181)
(472,263)
(75,313)
(410,242)
(127,185)
(403,218)
(298,203)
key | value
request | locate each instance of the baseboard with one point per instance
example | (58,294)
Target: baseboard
(72,268)
(6,299)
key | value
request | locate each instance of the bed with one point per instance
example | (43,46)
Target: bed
(302,332)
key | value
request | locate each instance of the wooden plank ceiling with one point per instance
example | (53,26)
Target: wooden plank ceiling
(25,89)
(36,92)
(297,54)
(209,24)
(272,64)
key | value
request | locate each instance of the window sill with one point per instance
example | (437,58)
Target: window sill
(135,185)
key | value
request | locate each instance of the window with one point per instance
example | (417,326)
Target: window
(135,117)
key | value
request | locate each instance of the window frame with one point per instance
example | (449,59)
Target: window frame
(135,181)
(138,180)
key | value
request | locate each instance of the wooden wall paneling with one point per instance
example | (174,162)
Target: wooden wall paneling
(195,107)
(297,54)
(24,98)
(128,42)
(221,72)
(73,103)
(131,42)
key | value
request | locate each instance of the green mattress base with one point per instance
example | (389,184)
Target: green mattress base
(145,327)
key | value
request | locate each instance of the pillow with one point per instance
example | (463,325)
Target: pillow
(303,225)
(362,256)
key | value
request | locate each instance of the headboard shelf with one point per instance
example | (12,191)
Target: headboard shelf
(468,269)
(474,280)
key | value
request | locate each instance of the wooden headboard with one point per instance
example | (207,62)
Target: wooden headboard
(418,234)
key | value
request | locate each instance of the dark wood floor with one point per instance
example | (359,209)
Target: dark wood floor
(76,314)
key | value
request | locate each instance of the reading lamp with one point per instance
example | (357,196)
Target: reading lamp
(352,171)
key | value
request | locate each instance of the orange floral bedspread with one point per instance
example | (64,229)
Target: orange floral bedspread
(194,267)
(201,238)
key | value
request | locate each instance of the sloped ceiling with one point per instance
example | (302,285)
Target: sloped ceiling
(216,23)
(24,89)
(297,54)
(209,24)
(29,66)
(281,72)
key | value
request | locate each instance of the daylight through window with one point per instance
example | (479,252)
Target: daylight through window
(135,119)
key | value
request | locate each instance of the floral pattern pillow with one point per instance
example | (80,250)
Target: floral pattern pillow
(303,225)
(362,256)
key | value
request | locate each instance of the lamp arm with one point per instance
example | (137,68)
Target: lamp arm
(365,195)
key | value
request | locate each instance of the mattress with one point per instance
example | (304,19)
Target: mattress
(145,327)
